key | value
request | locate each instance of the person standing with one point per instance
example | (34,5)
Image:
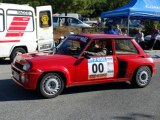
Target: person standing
(139,36)
(153,40)
(118,30)
(83,30)
(153,30)
(124,32)
(110,30)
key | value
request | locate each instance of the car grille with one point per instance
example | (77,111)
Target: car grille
(19,66)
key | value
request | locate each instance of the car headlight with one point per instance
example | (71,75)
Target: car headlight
(26,66)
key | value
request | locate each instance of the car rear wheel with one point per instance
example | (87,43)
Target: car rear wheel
(51,85)
(142,77)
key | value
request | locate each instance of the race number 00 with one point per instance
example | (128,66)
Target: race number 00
(97,68)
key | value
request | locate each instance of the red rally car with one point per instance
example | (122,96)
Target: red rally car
(79,60)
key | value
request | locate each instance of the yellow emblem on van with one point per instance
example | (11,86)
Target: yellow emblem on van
(44,19)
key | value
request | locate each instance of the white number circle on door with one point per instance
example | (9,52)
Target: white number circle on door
(101,67)
(97,68)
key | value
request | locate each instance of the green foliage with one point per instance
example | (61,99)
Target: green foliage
(88,8)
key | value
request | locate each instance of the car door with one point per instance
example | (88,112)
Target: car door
(44,27)
(96,68)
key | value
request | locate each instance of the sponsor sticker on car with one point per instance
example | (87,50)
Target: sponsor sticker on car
(100,67)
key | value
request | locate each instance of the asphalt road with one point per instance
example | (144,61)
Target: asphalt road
(115,101)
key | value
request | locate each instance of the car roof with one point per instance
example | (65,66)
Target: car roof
(104,36)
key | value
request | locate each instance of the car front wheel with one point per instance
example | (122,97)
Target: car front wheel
(51,85)
(142,77)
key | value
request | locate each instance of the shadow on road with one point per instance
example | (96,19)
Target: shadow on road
(135,116)
(10,91)
(100,87)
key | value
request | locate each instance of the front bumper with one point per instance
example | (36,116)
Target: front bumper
(27,80)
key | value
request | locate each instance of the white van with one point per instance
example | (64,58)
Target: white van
(23,31)
(68,21)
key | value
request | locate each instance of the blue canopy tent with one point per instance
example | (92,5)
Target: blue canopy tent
(141,9)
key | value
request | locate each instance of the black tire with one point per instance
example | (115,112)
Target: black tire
(50,85)
(142,77)
(2,59)
(15,51)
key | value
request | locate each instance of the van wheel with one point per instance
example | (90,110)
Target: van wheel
(1,59)
(142,77)
(15,52)
(51,85)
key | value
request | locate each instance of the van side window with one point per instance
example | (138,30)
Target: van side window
(1,20)
(125,47)
(45,19)
(75,21)
(20,20)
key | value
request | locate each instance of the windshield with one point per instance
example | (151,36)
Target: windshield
(73,45)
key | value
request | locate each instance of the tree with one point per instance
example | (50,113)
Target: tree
(88,8)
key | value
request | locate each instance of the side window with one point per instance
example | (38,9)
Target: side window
(20,20)
(99,48)
(125,47)
(63,21)
(75,21)
(45,19)
(1,20)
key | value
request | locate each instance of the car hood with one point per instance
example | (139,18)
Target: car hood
(40,57)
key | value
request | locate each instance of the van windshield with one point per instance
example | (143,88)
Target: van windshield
(73,45)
